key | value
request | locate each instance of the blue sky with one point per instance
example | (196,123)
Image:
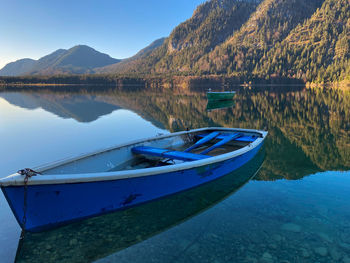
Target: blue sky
(34,28)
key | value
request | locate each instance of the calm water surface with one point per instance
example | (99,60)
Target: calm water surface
(296,208)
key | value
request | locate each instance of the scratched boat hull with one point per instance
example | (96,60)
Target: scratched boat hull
(51,205)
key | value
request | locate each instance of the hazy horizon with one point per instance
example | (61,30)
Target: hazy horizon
(117,28)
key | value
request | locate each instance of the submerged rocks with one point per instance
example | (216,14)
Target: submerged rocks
(325,237)
(266,257)
(345,246)
(305,253)
(73,242)
(322,251)
(291,227)
(335,255)
(277,237)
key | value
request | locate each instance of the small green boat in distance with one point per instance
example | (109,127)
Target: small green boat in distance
(222,95)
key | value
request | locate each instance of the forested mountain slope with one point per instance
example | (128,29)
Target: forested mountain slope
(318,49)
(268,25)
(308,40)
(126,65)
(211,24)
(247,39)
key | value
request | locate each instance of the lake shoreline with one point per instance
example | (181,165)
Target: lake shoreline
(162,81)
(148,81)
(342,85)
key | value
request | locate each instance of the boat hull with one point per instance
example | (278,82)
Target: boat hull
(220,95)
(134,225)
(51,205)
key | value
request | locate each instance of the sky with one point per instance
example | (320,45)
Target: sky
(120,28)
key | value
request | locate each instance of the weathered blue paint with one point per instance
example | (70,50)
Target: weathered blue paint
(56,204)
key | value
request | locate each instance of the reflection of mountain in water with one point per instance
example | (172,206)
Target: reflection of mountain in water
(309,129)
(101,236)
(83,108)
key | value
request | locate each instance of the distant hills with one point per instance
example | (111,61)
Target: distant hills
(130,64)
(18,67)
(308,40)
(80,59)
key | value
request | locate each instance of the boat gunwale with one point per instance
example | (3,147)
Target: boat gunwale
(48,179)
(220,92)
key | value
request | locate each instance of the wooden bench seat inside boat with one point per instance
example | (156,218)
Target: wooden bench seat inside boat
(222,142)
(166,153)
(246,138)
(186,155)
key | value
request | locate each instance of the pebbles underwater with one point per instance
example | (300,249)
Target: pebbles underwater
(264,222)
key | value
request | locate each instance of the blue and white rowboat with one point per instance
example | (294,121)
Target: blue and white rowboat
(126,175)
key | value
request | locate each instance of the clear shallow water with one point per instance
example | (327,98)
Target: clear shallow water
(295,209)
(284,221)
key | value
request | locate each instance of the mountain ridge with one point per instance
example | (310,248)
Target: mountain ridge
(243,39)
(80,59)
(17,67)
(143,53)
(254,49)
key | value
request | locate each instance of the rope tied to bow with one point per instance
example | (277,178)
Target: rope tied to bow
(27,172)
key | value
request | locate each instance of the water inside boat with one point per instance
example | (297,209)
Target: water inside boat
(155,152)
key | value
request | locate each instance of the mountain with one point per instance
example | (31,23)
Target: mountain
(126,64)
(79,59)
(147,50)
(305,40)
(316,50)
(301,39)
(46,62)
(268,25)
(18,67)
(76,60)
(210,25)
(222,31)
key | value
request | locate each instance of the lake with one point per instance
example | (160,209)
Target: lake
(291,203)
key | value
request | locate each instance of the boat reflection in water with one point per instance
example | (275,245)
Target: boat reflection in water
(219,104)
(98,237)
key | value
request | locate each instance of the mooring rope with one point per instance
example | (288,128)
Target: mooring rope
(27,172)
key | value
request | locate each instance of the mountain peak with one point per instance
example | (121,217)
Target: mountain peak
(80,46)
(79,59)
(17,67)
